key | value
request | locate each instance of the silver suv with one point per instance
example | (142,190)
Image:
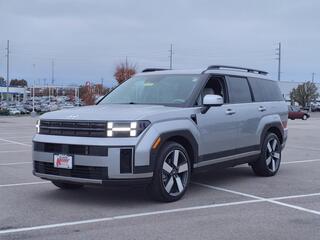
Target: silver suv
(160,126)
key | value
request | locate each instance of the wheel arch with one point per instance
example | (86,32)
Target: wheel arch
(275,128)
(183,137)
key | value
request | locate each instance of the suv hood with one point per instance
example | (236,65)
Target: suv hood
(109,112)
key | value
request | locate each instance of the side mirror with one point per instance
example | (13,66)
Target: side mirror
(211,100)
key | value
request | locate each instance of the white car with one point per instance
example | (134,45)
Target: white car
(13,111)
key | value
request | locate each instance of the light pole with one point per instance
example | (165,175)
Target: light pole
(33,90)
(33,94)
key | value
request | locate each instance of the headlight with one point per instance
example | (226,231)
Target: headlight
(38,126)
(126,129)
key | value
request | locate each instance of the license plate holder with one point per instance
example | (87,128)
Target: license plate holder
(63,161)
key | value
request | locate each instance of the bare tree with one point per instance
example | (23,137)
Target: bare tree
(87,94)
(124,71)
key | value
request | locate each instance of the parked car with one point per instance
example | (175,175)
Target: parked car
(160,126)
(13,111)
(297,113)
(315,107)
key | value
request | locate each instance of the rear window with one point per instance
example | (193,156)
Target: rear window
(239,91)
(265,90)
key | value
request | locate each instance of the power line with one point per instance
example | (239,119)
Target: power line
(278,53)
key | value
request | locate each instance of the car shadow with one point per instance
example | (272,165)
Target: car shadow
(225,176)
(97,195)
(137,195)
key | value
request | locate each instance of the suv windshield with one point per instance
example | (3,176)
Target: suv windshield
(154,89)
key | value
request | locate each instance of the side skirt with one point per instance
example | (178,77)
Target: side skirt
(228,161)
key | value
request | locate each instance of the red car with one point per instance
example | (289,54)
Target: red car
(295,112)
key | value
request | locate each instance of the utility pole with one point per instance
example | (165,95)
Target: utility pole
(52,80)
(52,72)
(7,55)
(126,62)
(33,89)
(278,53)
(313,74)
(171,55)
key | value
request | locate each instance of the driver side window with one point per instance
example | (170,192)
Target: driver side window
(215,85)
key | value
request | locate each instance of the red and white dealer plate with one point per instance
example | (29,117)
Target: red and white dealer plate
(62,161)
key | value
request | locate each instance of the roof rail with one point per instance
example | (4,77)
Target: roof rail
(154,69)
(250,70)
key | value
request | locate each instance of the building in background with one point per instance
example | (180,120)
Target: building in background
(15,93)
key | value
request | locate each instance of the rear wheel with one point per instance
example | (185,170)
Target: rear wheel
(172,173)
(269,161)
(64,185)
(304,117)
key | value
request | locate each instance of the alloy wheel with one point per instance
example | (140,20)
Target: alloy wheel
(175,171)
(273,155)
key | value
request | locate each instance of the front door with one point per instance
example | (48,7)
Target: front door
(218,126)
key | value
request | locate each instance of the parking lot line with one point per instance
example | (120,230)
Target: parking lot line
(15,151)
(296,196)
(22,184)
(26,136)
(15,142)
(5,143)
(301,161)
(14,163)
(304,148)
(270,200)
(143,214)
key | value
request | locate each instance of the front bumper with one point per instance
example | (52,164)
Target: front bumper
(90,164)
(108,182)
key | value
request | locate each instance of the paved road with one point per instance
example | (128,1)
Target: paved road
(225,204)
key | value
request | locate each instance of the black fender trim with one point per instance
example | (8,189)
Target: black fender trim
(186,134)
(277,125)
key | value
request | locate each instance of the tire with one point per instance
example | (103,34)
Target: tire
(304,117)
(64,185)
(269,160)
(172,173)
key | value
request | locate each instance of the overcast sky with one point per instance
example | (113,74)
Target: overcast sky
(87,38)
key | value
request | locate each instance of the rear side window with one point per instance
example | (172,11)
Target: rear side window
(265,90)
(239,91)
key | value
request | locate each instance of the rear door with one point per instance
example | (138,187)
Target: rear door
(247,113)
(266,94)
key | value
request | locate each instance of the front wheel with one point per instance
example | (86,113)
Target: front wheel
(304,117)
(172,173)
(269,161)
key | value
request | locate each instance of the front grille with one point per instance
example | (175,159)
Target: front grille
(100,173)
(70,149)
(73,128)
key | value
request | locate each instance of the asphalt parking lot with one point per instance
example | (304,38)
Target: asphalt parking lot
(225,204)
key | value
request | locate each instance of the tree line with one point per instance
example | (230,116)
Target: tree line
(14,82)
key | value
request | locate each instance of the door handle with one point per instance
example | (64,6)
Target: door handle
(262,109)
(230,112)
